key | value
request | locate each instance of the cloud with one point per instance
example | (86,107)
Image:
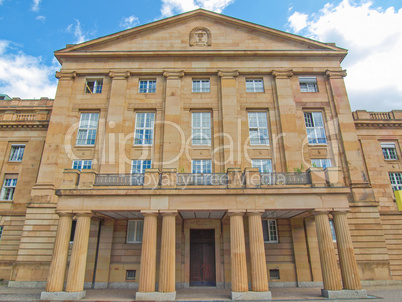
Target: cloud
(171,7)
(373,37)
(23,75)
(129,22)
(77,31)
(41,18)
(35,5)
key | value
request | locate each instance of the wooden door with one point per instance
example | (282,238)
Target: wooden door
(202,258)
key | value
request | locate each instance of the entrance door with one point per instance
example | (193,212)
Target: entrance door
(202,258)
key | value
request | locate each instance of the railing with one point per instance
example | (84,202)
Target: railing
(204,179)
(380,116)
(26,117)
(119,180)
(285,178)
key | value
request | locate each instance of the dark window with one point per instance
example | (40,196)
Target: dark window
(274,274)
(74,224)
(130,274)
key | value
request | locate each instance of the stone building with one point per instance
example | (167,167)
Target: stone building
(199,150)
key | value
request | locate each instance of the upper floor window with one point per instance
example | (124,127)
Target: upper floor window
(134,231)
(82,164)
(389,151)
(201,166)
(139,166)
(94,86)
(147,86)
(315,128)
(17,152)
(264,165)
(87,129)
(254,85)
(321,162)
(201,85)
(332,226)
(270,230)
(396,180)
(144,128)
(308,84)
(258,128)
(201,128)
(8,189)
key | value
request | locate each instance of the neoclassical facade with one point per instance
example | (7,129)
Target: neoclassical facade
(199,150)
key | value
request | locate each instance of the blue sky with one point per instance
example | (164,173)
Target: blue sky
(31,30)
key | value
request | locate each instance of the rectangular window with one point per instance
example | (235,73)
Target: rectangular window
(82,164)
(315,128)
(321,162)
(144,129)
(147,86)
(201,166)
(130,275)
(264,165)
(201,85)
(87,129)
(254,85)
(134,231)
(72,233)
(139,166)
(274,274)
(389,151)
(8,189)
(1,232)
(94,86)
(17,152)
(331,224)
(396,180)
(308,84)
(201,128)
(258,128)
(270,230)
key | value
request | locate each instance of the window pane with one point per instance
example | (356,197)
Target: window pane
(140,226)
(258,128)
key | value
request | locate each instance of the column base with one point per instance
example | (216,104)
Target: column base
(344,294)
(251,295)
(62,296)
(155,296)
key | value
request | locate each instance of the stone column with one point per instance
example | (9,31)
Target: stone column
(259,278)
(57,270)
(167,277)
(238,254)
(350,274)
(76,271)
(329,266)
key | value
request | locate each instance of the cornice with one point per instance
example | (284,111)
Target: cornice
(378,124)
(40,125)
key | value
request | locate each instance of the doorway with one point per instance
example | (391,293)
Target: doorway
(202,257)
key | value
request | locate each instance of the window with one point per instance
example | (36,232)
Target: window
(144,129)
(264,165)
(274,274)
(321,162)
(201,127)
(130,274)
(389,151)
(134,231)
(1,232)
(87,129)
(396,180)
(147,86)
(139,166)
(8,189)
(94,86)
(201,85)
(270,230)
(315,128)
(17,152)
(308,84)
(331,225)
(82,164)
(254,85)
(201,166)
(72,233)
(258,128)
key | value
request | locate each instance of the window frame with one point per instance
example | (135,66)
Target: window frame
(386,147)
(19,157)
(83,163)
(254,87)
(255,164)
(88,130)
(258,128)
(143,129)
(268,230)
(320,165)
(148,86)
(98,82)
(202,161)
(202,89)
(313,87)
(395,180)
(10,187)
(313,120)
(202,129)
(143,165)
(135,239)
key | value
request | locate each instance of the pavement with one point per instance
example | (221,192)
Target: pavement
(386,293)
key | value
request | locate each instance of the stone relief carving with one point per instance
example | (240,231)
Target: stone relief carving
(200,36)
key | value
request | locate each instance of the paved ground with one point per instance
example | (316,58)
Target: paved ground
(389,293)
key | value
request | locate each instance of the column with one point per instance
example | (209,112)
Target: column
(238,253)
(350,274)
(259,278)
(57,270)
(167,276)
(303,272)
(329,266)
(76,271)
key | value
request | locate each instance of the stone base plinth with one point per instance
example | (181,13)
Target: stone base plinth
(255,296)
(155,296)
(344,294)
(62,296)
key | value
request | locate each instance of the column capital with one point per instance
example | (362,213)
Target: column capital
(168,213)
(236,212)
(119,75)
(255,213)
(228,74)
(335,74)
(66,75)
(318,212)
(84,214)
(339,212)
(65,213)
(282,74)
(149,213)
(173,74)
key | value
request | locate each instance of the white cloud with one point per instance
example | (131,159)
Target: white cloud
(373,37)
(25,76)
(35,5)
(171,7)
(41,18)
(129,22)
(77,31)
